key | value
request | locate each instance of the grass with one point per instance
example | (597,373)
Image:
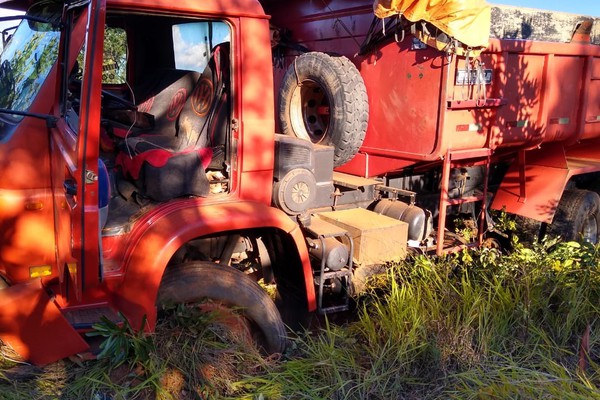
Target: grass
(479,324)
(474,325)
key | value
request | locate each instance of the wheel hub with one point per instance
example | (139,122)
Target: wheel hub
(310,111)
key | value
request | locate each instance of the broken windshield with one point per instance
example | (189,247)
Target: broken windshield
(25,63)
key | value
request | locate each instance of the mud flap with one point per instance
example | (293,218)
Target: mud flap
(34,326)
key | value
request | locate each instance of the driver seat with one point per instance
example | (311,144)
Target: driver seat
(168,163)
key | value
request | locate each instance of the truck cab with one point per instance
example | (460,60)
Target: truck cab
(137,137)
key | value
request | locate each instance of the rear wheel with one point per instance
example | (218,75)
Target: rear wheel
(577,216)
(243,307)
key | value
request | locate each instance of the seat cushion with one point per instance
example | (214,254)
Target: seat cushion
(161,171)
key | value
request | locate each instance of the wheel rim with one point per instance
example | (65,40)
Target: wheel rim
(310,111)
(589,231)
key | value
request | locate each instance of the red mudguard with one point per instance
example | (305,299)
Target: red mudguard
(34,326)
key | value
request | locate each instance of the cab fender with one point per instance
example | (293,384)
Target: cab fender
(156,239)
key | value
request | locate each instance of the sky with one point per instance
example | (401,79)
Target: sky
(191,47)
(583,7)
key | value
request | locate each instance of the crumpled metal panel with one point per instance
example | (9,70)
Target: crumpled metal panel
(34,326)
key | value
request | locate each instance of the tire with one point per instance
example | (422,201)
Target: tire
(293,308)
(194,282)
(323,99)
(577,217)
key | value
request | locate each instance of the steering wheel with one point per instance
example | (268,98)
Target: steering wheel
(107,95)
(113,97)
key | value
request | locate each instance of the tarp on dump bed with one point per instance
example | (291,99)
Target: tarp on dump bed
(467,21)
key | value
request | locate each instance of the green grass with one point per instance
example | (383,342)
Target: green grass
(473,325)
(478,324)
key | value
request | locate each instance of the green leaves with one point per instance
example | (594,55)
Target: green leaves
(477,324)
(122,343)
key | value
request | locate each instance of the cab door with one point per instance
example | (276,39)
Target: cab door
(74,151)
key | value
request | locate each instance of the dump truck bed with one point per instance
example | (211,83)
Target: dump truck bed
(424,102)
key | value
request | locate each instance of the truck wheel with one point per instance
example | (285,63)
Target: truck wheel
(323,99)
(577,216)
(230,292)
(294,310)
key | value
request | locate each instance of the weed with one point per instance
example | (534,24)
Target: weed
(478,324)
(122,343)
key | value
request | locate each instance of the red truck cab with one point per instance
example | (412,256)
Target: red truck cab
(134,136)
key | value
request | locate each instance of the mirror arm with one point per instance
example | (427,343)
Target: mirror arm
(30,18)
(50,119)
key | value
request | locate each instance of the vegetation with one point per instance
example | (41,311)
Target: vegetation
(474,325)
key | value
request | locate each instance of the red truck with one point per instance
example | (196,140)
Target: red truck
(140,166)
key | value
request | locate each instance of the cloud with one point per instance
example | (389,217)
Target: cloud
(189,55)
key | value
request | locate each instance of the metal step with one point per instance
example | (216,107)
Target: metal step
(320,229)
(457,159)
(345,275)
(353,182)
(84,318)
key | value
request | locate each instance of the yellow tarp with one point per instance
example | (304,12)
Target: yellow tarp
(467,21)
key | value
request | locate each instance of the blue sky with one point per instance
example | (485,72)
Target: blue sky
(584,7)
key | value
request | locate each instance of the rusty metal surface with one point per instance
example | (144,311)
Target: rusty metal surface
(377,239)
(510,22)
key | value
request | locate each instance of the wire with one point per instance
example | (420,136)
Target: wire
(133,123)
(338,20)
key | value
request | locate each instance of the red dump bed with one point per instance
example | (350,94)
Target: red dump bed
(423,102)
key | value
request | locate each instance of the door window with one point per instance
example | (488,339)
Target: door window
(193,42)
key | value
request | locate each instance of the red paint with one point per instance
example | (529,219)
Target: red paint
(49,197)
(160,233)
(542,94)
(43,224)
(415,105)
(23,307)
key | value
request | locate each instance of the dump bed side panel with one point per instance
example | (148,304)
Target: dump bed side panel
(424,103)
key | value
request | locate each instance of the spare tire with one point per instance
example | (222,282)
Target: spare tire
(323,99)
